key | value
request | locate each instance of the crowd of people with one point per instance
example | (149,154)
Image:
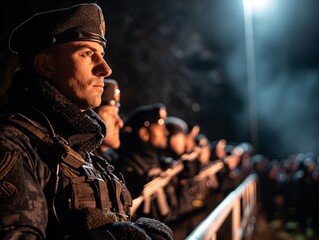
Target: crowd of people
(168,165)
(151,147)
(72,168)
(289,190)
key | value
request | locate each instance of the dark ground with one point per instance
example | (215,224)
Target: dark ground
(279,229)
(275,229)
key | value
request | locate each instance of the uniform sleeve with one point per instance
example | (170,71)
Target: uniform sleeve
(23,208)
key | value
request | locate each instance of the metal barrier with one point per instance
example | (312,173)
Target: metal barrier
(241,204)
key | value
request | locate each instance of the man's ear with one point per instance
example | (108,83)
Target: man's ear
(43,65)
(144,134)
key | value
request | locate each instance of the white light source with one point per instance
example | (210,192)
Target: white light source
(256,4)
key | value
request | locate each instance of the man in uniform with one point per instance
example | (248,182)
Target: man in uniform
(177,137)
(143,139)
(51,185)
(144,134)
(109,113)
(187,193)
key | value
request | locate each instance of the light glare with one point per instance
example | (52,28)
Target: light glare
(256,4)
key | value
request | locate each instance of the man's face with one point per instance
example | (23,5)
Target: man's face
(220,149)
(78,70)
(114,123)
(177,143)
(158,135)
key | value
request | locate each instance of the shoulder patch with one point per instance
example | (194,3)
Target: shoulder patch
(8,191)
(7,160)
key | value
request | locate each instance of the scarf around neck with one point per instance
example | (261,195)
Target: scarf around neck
(84,131)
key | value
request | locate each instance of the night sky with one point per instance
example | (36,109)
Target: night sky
(286,75)
(191,55)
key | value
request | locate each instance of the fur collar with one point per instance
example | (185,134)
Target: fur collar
(84,131)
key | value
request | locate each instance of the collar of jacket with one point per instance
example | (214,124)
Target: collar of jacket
(84,131)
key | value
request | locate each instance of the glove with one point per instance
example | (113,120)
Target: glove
(155,229)
(118,231)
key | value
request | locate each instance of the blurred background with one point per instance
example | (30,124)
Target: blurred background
(245,72)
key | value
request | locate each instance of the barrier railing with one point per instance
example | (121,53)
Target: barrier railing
(240,205)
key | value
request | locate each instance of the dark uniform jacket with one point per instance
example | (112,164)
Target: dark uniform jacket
(51,186)
(138,167)
(140,163)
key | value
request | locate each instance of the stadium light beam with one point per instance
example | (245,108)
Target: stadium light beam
(248,6)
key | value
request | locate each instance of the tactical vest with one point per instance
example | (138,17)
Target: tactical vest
(83,195)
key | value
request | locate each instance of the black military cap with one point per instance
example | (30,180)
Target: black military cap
(201,140)
(144,116)
(176,125)
(111,94)
(83,22)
